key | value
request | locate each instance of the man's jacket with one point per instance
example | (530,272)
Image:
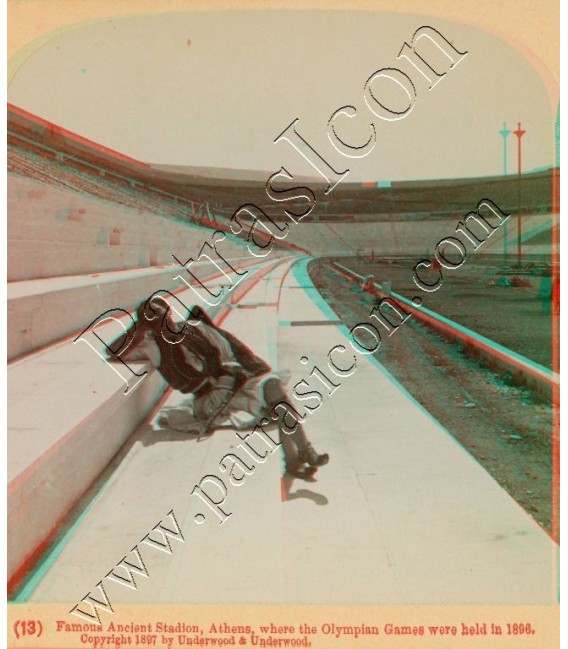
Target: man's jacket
(183,376)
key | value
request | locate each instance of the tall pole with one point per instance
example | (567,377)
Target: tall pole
(519,133)
(505,132)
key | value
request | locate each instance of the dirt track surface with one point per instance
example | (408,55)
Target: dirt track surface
(506,428)
(512,316)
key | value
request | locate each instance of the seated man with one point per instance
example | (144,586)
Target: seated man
(222,374)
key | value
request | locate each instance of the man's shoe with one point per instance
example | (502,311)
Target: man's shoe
(299,470)
(309,456)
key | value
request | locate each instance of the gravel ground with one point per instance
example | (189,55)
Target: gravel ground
(507,428)
(513,317)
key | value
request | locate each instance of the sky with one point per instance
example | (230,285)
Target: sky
(215,89)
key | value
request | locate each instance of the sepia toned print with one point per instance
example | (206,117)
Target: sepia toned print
(283,305)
